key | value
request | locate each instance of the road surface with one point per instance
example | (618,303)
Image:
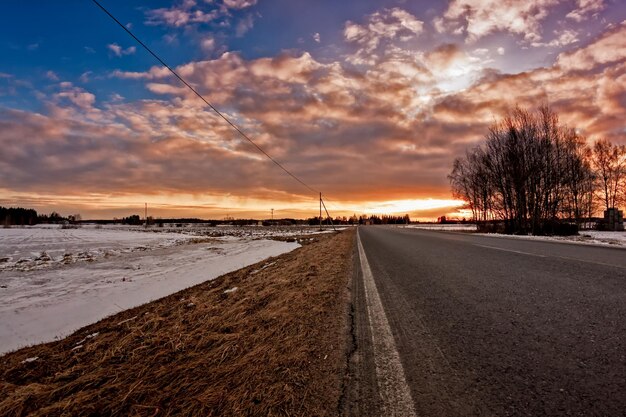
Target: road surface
(456,324)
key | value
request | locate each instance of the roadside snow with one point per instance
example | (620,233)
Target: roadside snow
(588,237)
(42,304)
(585,237)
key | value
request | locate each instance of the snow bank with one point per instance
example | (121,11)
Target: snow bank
(585,237)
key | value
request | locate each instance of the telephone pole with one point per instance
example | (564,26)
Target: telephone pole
(320,211)
(272,214)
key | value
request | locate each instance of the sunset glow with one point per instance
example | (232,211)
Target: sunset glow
(368,102)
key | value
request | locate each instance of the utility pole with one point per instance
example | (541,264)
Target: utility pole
(272,214)
(146,215)
(320,211)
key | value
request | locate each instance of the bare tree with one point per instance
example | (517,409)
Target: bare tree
(609,160)
(530,172)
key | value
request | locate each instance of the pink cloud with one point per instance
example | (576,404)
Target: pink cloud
(119,51)
(608,48)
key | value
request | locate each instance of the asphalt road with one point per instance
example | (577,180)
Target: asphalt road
(490,326)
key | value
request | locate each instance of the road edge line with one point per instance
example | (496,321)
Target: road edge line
(394,391)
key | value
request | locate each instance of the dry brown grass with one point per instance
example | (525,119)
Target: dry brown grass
(275,346)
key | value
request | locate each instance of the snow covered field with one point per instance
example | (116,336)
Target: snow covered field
(42,247)
(54,281)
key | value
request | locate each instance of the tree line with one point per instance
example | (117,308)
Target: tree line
(19,216)
(533,174)
(14,216)
(362,219)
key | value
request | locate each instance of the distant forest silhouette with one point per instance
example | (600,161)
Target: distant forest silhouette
(18,216)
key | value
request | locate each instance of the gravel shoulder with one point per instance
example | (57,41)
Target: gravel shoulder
(269,339)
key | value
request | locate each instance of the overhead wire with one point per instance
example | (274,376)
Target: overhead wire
(201,97)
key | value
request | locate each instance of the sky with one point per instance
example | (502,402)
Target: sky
(368,102)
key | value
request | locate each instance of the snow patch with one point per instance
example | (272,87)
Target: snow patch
(89,336)
(585,237)
(256,271)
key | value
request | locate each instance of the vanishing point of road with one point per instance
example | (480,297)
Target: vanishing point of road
(454,324)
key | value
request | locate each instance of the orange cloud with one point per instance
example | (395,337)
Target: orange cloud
(380,131)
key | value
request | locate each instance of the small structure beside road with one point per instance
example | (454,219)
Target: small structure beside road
(613,220)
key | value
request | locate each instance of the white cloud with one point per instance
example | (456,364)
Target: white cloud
(500,51)
(119,51)
(181,15)
(52,76)
(239,4)
(154,73)
(586,8)
(170,38)
(79,97)
(478,18)
(188,12)
(388,24)
(84,77)
(316,37)
(208,44)
(116,98)
(244,25)
(564,38)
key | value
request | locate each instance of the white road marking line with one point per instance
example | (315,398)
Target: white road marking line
(588,262)
(551,256)
(511,250)
(393,389)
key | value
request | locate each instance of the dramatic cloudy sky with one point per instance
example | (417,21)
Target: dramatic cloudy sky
(367,101)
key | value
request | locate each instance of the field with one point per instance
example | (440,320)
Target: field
(266,340)
(55,280)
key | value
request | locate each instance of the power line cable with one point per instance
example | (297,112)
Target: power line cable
(234,126)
